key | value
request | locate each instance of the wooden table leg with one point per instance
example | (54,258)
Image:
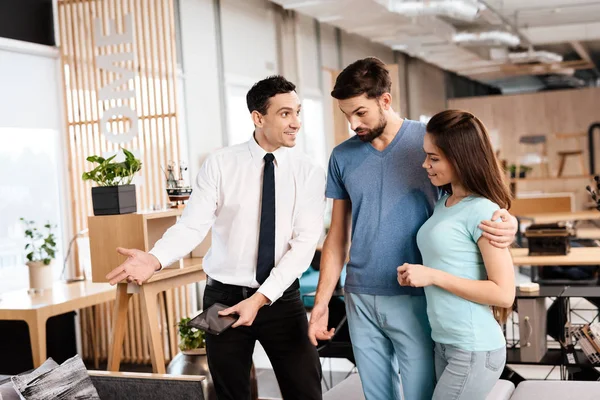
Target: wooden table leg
(118,328)
(171,323)
(150,315)
(37,337)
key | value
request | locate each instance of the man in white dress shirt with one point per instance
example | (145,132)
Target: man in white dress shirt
(265,204)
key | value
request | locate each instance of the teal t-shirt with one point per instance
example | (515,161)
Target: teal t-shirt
(448,242)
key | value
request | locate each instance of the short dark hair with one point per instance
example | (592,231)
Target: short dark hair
(367,76)
(258,96)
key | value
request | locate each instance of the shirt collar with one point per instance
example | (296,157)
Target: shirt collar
(258,153)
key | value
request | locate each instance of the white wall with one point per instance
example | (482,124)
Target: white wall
(329,47)
(202,96)
(249,54)
(260,39)
(308,53)
(249,39)
(355,47)
(426,89)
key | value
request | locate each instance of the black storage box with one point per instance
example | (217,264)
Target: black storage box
(111,200)
(15,347)
(549,239)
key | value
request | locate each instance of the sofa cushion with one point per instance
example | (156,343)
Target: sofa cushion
(556,390)
(502,390)
(7,389)
(67,381)
(348,389)
(351,389)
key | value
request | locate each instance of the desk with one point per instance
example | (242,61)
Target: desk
(35,309)
(165,279)
(532,325)
(577,256)
(553,217)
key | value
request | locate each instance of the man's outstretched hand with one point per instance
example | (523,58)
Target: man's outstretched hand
(138,267)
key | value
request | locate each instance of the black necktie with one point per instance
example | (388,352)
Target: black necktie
(266,237)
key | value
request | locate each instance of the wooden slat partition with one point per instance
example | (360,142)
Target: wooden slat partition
(153,63)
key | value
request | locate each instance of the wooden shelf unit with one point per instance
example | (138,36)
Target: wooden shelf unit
(133,231)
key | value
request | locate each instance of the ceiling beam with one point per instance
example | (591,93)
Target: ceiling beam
(525,69)
(584,55)
(563,33)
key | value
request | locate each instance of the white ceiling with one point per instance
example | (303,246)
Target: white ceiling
(569,27)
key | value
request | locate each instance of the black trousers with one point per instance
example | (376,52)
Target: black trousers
(282,330)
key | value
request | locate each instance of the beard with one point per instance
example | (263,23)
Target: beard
(371,134)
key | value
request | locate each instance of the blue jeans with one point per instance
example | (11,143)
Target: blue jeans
(466,375)
(391,339)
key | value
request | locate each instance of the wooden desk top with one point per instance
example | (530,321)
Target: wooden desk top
(63,297)
(587,233)
(577,256)
(547,218)
(561,290)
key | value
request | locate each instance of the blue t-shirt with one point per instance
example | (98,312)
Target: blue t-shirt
(391,198)
(448,242)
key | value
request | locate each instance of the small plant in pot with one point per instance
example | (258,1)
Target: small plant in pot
(41,249)
(523,170)
(114,194)
(192,339)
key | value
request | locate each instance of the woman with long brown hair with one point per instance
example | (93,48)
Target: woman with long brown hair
(469,283)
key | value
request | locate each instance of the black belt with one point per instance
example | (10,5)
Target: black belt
(243,291)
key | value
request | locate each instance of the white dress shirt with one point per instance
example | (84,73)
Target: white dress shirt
(227,197)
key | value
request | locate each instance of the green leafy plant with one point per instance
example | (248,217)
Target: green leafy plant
(191,338)
(109,173)
(512,168)
(41,247)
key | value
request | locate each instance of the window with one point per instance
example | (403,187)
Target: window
(313,130)
(29,188)
(239,121)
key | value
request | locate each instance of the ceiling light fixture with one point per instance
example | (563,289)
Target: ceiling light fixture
(465,10)
(491,38)
(541,56)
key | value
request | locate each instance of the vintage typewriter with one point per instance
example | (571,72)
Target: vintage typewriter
(549,239)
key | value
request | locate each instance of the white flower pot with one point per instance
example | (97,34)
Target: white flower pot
(195,352)
(40,275)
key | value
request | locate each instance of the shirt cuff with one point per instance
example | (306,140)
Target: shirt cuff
(271,290)
(162,257)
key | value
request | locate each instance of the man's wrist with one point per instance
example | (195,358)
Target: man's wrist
(157,266)
(322,298)
(261,299)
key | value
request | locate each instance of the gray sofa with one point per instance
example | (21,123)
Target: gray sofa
(351,389)
(132,385)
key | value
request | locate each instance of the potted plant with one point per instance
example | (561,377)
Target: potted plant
(192,339)
(523,170)
(42,251)
(114,194)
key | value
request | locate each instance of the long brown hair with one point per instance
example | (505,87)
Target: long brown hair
(464,141)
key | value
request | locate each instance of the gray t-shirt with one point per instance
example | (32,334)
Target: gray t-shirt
(391,198)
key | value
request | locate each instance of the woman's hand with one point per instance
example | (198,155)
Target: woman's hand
(415,275)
